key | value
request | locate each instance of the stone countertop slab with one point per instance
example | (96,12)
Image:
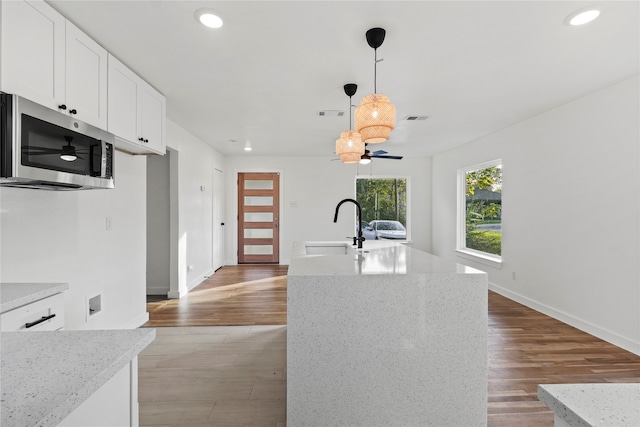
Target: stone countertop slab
(375,258)
(46,375)
(14,295)
(590,405)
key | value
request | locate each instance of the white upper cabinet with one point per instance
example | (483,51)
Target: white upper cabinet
(47,59)
(136,111)
(86,77)
(33,51)
(152,113)
(123,101)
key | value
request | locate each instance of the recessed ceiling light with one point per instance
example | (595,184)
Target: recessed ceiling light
(209,18)
(582,16)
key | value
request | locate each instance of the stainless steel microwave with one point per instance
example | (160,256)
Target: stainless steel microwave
(46,149)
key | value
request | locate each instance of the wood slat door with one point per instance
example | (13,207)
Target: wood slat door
(258,218)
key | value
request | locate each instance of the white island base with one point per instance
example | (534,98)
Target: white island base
(387,336)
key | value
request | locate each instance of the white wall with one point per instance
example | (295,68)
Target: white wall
(192,171)
(158,225)
(312,187)
(61,236)
(570,211)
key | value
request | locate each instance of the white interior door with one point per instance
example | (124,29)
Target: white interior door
(218,218)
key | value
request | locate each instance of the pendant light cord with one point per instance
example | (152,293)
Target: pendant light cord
(375,70)
(350,113)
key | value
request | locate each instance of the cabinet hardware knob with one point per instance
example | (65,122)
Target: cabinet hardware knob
(62,107)
(141,139)
(73,111)
(146,140)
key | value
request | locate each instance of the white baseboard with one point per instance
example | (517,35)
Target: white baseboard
(158,290)
(199,280)
(583,325)
(138,321)
(177,294)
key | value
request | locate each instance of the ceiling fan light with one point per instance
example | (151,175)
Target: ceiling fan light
(349,146)
(375,118)
(365,160)
(68,157)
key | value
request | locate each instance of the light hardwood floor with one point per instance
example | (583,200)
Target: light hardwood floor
(227,376)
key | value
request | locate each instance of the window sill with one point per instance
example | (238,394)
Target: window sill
(481,257)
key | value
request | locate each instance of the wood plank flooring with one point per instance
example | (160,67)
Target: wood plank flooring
(526,348)
(234,295)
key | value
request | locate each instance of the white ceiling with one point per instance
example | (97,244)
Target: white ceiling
(473,67)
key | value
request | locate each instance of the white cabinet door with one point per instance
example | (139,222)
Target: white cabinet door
(86,78)
(123,101)
(115,404)
(33,52)
(152,113)
(48,60)
(136,111)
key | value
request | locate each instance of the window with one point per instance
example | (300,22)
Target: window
(480,210)
(384,207)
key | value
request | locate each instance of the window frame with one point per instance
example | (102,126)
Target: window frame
(461,217)
(407,226)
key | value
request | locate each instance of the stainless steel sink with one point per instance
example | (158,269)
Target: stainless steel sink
(328,249)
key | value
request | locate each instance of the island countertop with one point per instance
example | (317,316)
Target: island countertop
(14,295)
(46,375)
(375,258)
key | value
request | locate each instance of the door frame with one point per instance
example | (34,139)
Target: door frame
(282,220)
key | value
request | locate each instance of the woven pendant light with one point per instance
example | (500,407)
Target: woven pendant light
(376,115)
(350,146)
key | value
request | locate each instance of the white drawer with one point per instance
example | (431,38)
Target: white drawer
(31,317)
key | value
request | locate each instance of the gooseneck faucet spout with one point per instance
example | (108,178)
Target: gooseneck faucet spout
(359,238)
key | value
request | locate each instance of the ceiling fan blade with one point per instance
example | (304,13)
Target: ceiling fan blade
(376,153)
(388,157)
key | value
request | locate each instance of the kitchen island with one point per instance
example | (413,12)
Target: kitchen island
(384,336)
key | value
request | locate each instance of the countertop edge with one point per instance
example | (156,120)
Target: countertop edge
(559,409)
(54,288)
(593,404)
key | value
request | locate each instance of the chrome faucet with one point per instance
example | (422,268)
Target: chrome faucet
(359,239)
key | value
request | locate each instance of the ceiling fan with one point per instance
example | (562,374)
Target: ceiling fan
(66,152)
(379,154)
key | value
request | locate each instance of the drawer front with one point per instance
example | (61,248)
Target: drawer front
(44,315)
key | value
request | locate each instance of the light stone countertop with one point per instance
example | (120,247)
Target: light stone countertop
(14,295)
(386,335)
(46,375)
(590,405)
(376,257)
